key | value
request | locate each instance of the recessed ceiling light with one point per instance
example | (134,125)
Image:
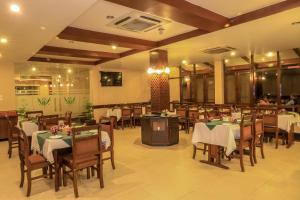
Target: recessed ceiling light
(226,60)
(69,70)
(270,54)
(3,40)
(233,53)
(33,69)
(57,38)
(184,62)
(14,8)
(110,17)
(226,25)
(43,28)
(114,47)
(0,55)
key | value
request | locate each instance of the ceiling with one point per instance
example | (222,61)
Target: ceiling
(23,30)
(84,28)
(259,36)
(233,8)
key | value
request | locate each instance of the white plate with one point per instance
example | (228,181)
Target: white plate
(38,132)
(55,136)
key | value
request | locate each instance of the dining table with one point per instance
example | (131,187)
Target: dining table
(217,135)
(52,147)
(287,122)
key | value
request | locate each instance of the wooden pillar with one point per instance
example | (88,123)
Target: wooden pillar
(219,81)
(252,81)
(160,92)
(278,83)
(180,83)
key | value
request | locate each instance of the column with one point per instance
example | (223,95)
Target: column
(160,92)
(219,81)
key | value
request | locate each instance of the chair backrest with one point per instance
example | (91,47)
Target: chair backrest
(12,127)
(126,112)
(270,120)
(24,150)
(148,109)
(226,111)
(68,116)
(181,112)
(246,128)
(49,120)
(33,114)
(76,130)
(85,149)
(137,111)
(193,114)
(259,127)
(109,129)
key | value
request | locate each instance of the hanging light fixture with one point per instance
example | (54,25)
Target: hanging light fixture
(165,70)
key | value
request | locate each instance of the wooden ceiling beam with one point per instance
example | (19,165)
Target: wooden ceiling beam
(297,51)
(54,60)
(245,58)
(264,12)
(179,11)
(50,50)
(81,35)
(209,64)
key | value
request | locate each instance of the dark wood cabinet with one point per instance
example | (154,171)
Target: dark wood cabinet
(4,124)
(159,130)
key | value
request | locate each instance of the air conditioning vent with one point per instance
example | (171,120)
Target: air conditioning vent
(138,22)
(218,50)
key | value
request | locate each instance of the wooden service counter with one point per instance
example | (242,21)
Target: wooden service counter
(160,130)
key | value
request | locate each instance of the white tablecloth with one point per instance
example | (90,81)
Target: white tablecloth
(285,121)
(222,135)
(114,112)
(29,127)
(52,144)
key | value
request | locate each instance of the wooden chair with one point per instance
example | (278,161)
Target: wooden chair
(182,118)
(68,117)
(13,134)
(258,138)
(246,140)
(137,114)
(193,117)
(86,153)
(270,122)
(33,114)
(126,116)
(31,162)
(148,109)
(225,111)
(48,121)
(109,129)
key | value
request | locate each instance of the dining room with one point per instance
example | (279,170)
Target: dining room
(153,99)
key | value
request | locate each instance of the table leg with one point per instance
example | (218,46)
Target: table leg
(214,156)
(290,137)
(56,170)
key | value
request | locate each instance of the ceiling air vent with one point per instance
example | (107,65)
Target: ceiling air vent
(218,50)
(138,22)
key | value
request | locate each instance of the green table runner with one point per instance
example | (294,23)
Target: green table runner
(41,137)
(211,125)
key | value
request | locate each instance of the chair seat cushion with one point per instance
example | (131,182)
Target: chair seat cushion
(36,159)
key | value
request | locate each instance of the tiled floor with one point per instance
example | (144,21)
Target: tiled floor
(162,173)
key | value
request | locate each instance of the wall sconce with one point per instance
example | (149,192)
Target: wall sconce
(165,70)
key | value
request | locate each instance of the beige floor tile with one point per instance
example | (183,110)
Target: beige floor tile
(167,173)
